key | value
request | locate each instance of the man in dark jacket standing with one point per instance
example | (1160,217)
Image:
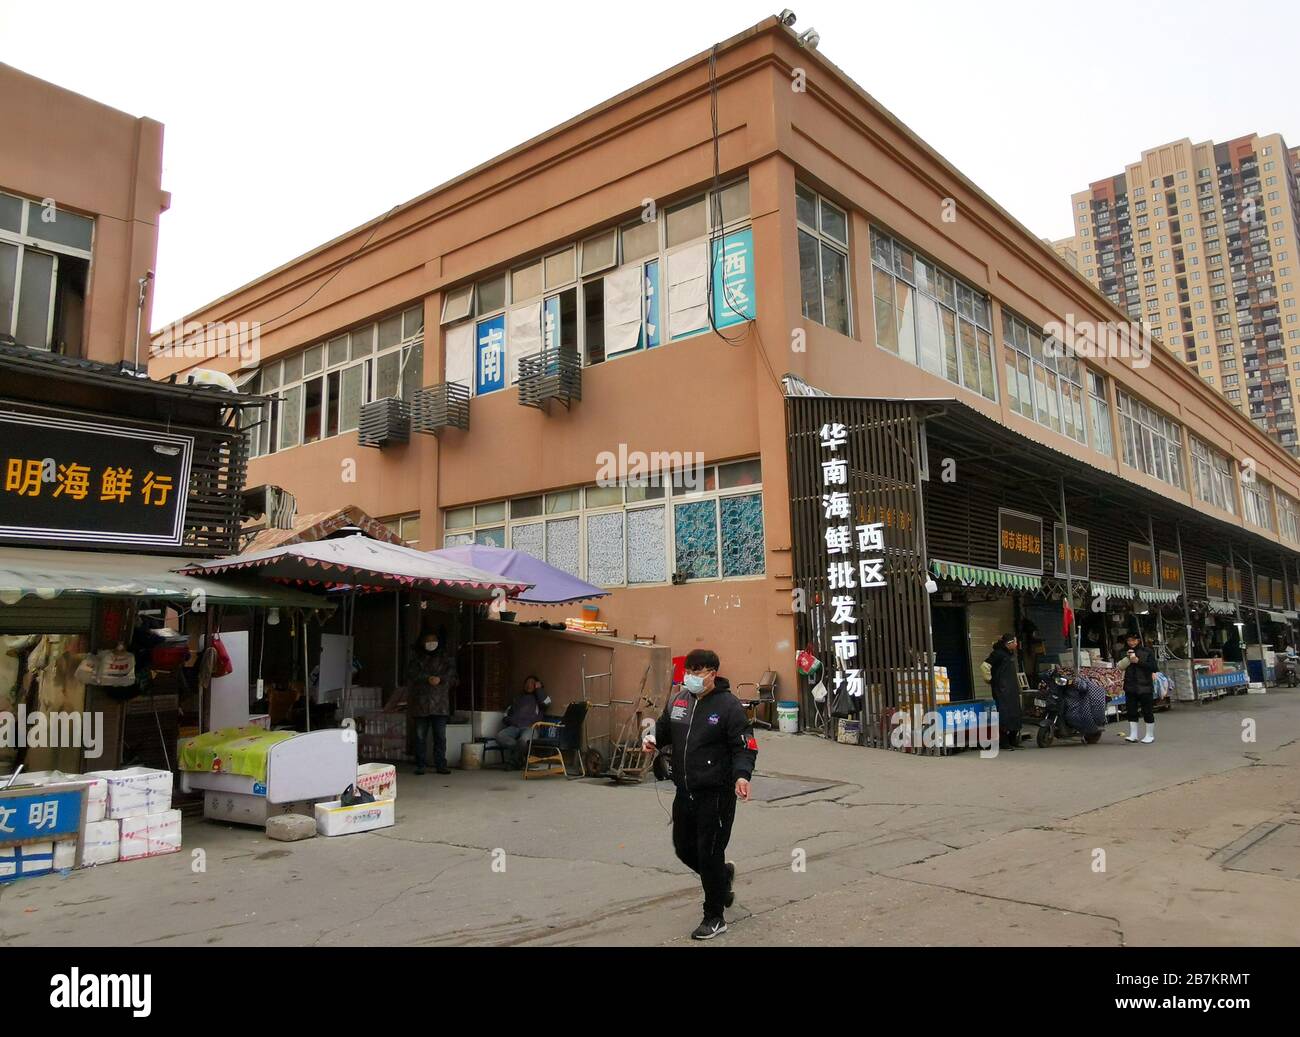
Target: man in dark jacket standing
(1139,666)
(713,753)
(1001,671)
(430,678)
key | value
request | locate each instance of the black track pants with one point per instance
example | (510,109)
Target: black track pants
(701,830)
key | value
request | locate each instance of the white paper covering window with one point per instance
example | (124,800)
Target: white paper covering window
(687,295)
(523,335)
(459,345)
(623,309)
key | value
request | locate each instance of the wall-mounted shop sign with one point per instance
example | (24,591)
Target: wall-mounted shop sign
(1215,587)
(1279,595)
(72,481)
(733,278)
(1020,542)
(490,355)
(1141,565)
(1234,584)
(1264,593)
(1171,571)
(1078,551)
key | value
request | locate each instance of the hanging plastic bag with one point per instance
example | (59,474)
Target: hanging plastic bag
(116,669)
(221,665)
(819,691)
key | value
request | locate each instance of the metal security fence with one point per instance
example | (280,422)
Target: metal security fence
(868,621)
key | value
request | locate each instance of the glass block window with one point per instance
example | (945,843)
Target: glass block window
(695,536)
(562,545)
(605,549)
(647,555)
(530,538)
(742,535)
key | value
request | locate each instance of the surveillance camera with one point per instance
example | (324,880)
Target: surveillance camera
(809,38)
(787,17)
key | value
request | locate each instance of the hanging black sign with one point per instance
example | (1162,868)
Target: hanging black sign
(1020,542)
(1141,565)
(1078,551)
(71,481)
(1215,587)
(1171,571)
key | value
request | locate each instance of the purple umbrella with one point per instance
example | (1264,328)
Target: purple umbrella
(550,586)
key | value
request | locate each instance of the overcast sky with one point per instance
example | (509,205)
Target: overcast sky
(287,124)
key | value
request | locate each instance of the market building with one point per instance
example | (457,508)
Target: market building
(516,356)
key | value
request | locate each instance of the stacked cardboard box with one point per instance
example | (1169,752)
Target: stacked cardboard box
(139,821)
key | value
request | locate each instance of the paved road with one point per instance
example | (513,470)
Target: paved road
(1190,840)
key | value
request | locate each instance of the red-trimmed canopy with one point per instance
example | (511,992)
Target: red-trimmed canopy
(362,564)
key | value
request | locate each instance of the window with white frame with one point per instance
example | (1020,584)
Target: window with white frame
(1044,382)
(1152,442)
(823,259)
(45,256)
(1212,478)
(627,288)
(1099,413)
(1257,503)
(701,524)
(929,318)
(322,388)
(1288,518)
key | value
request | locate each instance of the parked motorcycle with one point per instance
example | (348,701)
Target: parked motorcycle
(1287,671)
(1068,709)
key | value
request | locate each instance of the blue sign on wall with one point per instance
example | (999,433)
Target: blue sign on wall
(35,813)
(490,355)
(733,278)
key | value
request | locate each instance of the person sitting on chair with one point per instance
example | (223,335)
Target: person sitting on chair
(516,730)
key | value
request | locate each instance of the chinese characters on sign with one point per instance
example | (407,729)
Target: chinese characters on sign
(1141,565)
(1214,585)
(1078,551)
(733,278)
(31,813)
(66,480)
(1234,584)
(1020,542)
(490,363)
(855,553)
(1171,571)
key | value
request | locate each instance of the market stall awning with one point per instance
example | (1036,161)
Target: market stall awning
(1276,617)
(979,575)
(362,564)
(1114,590)
(47,574)
(1222,608)
(1159,597)
(550,586)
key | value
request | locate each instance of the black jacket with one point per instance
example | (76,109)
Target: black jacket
(1138,675)
(1006,685)
(712,739)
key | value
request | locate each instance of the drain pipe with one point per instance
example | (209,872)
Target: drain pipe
(139,312)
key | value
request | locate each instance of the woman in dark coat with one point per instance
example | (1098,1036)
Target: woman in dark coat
(1003,669)
(430,680)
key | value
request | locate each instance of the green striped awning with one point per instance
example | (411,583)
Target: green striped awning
(1114,590)
(972,575)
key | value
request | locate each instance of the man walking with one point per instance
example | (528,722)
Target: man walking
(713,753)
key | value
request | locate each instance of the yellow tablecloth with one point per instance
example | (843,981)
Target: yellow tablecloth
(233,750)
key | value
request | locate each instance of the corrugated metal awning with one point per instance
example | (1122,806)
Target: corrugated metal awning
(43,574)
(1160,597)
(1222,608)
(972,575)
(1115,590)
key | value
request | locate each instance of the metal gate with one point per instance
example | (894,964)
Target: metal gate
(885,649)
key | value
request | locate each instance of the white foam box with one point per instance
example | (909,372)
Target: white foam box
(101,843)
(22,861)
(150,835)
(136,791)
(96,797)
(379,779)
(333,818)
(65,855)
(246,809)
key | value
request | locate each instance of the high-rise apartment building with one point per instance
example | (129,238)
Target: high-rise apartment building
(1202,242)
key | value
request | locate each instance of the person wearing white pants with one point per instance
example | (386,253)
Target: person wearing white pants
(1139,666)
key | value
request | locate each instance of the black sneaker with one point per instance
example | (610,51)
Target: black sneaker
(709,928)
(731,881)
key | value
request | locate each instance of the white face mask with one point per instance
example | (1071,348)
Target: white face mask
(430,646)
(693,683)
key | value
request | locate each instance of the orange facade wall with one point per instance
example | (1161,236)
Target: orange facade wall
(94,160)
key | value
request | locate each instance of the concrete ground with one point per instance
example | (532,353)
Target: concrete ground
(1192,840)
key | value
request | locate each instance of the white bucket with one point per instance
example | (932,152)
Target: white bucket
(471,756)
(787,717)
